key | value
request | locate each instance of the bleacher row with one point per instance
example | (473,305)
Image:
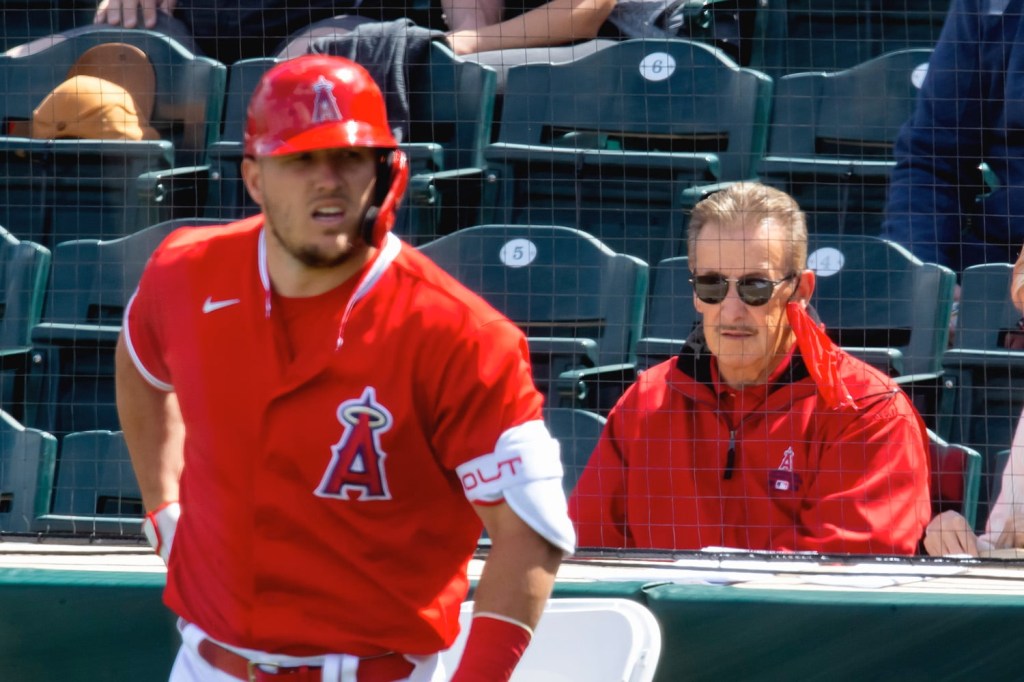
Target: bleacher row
(566,211)
(619,143)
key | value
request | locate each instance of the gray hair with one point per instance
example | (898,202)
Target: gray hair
(752,202)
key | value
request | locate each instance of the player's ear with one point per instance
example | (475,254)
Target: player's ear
(252,177)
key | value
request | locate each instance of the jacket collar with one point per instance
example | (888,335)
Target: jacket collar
(694,360)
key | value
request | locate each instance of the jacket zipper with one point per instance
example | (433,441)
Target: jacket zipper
(730,459)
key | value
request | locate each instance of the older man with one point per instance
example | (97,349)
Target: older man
(761,434)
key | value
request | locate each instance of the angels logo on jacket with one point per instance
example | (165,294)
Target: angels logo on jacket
(356,470)
(325,107)
(784,479)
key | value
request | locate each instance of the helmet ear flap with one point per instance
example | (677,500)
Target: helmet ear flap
(392,179)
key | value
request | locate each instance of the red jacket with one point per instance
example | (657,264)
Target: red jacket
(683,466)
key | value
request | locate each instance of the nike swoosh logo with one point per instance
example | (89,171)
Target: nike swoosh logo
(210,305)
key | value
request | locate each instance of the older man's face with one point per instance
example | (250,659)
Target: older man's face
(748,341)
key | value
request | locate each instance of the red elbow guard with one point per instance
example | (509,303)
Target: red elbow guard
(493,649)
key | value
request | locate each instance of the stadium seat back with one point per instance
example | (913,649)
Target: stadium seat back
(579,303)
(831,139)
(24,272)
(27,458)
(189,97)
(577,433)
(874,295)
(803,35)
(92,281)
(955,478)
(610,142)
(671,314)
(94,488)
(56,190)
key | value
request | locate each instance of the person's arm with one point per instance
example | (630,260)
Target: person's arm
(126,12)
(516,582)
(153,431)
(940,147)
(1017,283)
(870,494)
(155,434)
(555,23)
(471,14)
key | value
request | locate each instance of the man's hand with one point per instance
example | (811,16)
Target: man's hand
(949,533)
(1012,535)
(126,12)
(1017,283)
(463,42)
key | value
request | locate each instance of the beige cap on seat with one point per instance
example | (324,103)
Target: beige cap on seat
(89,108)
(109,94)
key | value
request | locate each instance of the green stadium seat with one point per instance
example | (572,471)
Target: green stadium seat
(881,303)
(613,143)
(94,488)
(831,139)
(24,270)
(71,381)
(24,20)
(956,478)
(986,375)
(885,306)
(27,459)
(671,314)
(451,107)
(580,304)
(793,36)
(57,190)
(577,432)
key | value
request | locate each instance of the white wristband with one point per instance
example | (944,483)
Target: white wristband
(159,526)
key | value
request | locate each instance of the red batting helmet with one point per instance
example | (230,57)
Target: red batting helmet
(324,102)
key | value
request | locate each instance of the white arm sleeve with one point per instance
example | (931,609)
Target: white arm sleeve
(525,470)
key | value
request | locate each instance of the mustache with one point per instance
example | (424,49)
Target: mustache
(742,328)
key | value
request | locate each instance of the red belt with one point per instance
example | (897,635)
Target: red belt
(386,668)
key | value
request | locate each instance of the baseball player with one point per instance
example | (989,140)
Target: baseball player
(319,419)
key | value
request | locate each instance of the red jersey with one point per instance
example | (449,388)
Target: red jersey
(321,511)
(685,463)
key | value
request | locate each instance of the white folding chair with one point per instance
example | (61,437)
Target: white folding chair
(583,640)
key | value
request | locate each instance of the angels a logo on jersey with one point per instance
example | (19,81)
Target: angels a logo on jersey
(784,479)
(356,470)
(325,107)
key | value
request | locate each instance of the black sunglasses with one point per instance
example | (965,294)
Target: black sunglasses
(752,290)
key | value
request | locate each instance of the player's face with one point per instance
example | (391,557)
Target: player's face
(314,202)
(748,341)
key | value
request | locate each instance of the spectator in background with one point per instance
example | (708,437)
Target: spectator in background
(761,434)
(503,34)
(949,532)
(970,111)
(496,25)
(229,31)
(558,30)
(499,34)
